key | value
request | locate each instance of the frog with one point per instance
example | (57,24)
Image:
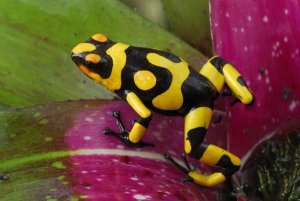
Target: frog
(157,81)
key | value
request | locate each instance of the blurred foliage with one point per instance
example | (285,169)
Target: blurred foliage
(37,36)
(152,10)
(190,21)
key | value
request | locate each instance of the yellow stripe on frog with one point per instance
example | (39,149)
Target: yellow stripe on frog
(118,55)
(171,99)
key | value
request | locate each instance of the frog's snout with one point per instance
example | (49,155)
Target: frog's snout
(81,50)
(77,58)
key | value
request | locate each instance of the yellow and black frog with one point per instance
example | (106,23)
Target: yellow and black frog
(153,80)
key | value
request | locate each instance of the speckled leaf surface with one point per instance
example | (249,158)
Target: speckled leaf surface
(58,152)
(37,37)
(261,38)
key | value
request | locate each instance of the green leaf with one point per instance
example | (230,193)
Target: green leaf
(190,20)
(37,37)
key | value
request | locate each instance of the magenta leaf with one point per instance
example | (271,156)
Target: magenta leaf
(261,38)
(58,152)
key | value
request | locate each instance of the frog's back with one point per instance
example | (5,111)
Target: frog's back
(164,82)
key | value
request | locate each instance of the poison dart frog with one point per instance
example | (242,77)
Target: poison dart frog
(154,80)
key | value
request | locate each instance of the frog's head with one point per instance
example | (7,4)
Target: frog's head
(91,57)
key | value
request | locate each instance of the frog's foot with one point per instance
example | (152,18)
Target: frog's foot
(186,169)
(195,176)
(123,135)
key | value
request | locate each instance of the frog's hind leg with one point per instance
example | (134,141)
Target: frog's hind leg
(196,125)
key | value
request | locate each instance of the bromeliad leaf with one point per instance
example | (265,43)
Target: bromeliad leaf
(58,152)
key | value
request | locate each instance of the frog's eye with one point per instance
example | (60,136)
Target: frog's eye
(94,58)
(99,37)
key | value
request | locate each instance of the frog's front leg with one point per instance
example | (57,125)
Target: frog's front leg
(133,138)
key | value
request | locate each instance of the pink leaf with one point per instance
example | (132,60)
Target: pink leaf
(261,38)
